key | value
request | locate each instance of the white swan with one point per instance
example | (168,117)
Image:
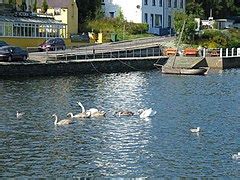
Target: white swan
(80,115)
(236,156)
(97,113)
(93,111)
(146,113)
(80,104)
(124,113)
(195,130)
(19,114)
(61,122)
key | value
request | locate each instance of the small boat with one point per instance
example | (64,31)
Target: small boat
(182,71)
(171,68)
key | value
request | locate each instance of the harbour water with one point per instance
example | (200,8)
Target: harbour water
(121,147)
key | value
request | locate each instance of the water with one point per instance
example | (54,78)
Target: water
(161,146)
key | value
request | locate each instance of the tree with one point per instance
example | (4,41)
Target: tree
(219,8)
(35,6)
(195,9)
(190,25)
(44,6)
(88,10)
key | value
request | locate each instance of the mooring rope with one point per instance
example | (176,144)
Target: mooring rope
(129,65)
(95,68)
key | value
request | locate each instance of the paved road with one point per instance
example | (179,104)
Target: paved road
(108,47)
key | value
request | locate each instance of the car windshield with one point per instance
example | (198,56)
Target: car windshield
(5,48)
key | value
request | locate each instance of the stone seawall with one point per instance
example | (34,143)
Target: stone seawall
(79,67)
(223,63)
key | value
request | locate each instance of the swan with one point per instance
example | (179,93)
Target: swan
(146,113)
(195,130)
(83,109)
(61,122)
(124,113)
(236,156)
(80,115)
(97,113)
(93,111)
(19,114)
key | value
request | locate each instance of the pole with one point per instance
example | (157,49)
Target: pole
(179,40)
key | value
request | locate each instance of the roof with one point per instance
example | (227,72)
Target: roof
(55,3)
(32,19)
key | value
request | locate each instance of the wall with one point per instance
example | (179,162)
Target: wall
(134,14)
(223,63)
(129,9)
(29,42)
(231,62)
(76,67)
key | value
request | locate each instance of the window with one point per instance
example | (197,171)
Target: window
(152,20)
(181,4)
(158,20)
(1,29)
(175,3)
(8,29)
(169,3)
(111,14)
(154,2)
(145,2)
(169,21)
(57,11)
(160,3)
(146,18)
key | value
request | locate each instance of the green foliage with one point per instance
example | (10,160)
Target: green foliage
(195,9)
(122,28)
(35,6)
(136,28)
(220,8)
(190,25)
(88,10)
(219,38)
(44,6)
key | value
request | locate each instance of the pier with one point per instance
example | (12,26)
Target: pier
(126,56)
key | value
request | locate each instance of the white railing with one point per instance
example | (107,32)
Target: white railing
(221,52)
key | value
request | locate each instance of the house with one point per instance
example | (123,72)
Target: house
(20,26)
(158,14)
(65,11)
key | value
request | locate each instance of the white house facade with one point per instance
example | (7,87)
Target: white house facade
(158,14)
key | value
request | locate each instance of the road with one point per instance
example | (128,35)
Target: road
(108,47)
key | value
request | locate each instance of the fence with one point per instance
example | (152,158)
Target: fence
(99,53)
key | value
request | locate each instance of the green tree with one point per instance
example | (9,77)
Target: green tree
(44,6)
(35,6)
(190,25)
(195,9)
(219,8)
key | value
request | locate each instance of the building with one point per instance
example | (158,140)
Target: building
(158,14)
(21,27)
(65,11)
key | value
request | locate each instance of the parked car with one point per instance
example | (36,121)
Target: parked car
(52,45)
(13,53)
(3,43)
(84,38)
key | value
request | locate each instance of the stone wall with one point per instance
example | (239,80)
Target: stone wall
(78,67)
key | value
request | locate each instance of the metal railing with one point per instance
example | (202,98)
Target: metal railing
(99,53)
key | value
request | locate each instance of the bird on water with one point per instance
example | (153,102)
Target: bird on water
(58,122)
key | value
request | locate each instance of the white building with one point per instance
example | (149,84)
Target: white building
(157,13)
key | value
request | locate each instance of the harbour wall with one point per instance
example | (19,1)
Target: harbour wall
(77,67)
(223,62)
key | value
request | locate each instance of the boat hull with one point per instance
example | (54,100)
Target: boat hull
(182,71)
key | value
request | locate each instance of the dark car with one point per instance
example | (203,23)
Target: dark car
(52,45)
(13,53)
(3,43)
